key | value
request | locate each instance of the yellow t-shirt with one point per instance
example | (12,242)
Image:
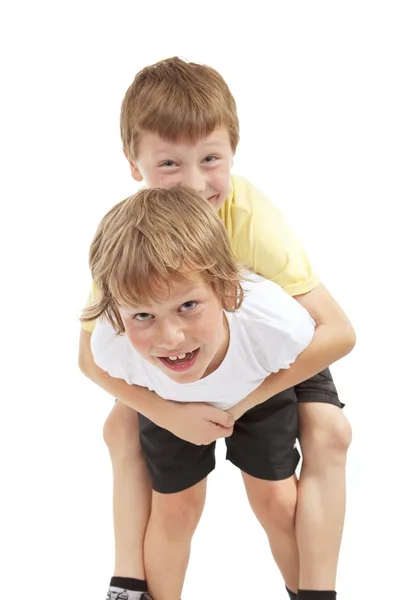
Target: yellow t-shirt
(260,239)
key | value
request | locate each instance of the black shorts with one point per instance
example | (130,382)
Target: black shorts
(319,388)
(262,445)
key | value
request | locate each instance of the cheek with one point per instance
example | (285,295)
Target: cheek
(153,178)
(221,182)
(211,329)
(199,331)
(140,341)
(156,179)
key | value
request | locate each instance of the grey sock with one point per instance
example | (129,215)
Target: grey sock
(116,593)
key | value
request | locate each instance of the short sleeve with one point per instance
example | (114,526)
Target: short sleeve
(262,240)
(111,351)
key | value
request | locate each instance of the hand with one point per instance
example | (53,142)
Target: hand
(197,422)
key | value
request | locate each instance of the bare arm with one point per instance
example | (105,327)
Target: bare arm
(334,338)
(194,422)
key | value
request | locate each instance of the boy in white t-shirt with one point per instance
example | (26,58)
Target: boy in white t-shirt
(194,330)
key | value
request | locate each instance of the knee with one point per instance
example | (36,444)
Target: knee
(328,437)
(120,432)
(178,514)
(275,505)
(342,434)
(338,435)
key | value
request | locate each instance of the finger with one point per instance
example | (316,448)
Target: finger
(222,432)
(221,427)
(222,418)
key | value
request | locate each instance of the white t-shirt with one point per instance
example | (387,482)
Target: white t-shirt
(267,334)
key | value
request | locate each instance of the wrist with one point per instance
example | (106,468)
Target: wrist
(161,411)
(248,403)
(149,404)
(238,410)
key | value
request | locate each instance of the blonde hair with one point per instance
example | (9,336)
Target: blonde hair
(177,99)
(153,238)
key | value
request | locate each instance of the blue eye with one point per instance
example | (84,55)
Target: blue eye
(142,317)
(167,163)
(188,306)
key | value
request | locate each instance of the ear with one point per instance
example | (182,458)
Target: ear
(135,171)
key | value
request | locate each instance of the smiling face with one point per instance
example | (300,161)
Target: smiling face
(203,166)
(179,127)
(183,332)
(165,273)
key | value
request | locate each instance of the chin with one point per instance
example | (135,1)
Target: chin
(185,377)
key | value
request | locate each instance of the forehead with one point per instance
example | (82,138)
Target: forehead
(153,142)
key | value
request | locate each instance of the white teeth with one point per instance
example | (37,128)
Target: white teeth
(180,356)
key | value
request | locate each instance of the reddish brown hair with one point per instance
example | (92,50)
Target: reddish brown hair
(177,99)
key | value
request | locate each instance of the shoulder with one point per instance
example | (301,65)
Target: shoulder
(267,305)
(247,197)
(277,328)
(262,240)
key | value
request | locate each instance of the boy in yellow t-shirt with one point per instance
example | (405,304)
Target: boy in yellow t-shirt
(179,126)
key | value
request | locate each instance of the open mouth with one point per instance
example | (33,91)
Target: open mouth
(183,362)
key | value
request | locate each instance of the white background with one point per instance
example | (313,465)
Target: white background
(320,88)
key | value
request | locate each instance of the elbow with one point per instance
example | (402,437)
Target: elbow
(351,338)
(85,357)
(340,339)
(83,364)
(347,338)
(88,368)
(351,341)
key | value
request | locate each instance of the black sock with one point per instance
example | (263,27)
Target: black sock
(291,594)
(128,583)
(316,595)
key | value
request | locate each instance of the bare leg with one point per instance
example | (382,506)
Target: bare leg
(274,504)
(325,436)
(173,520)
(131,490)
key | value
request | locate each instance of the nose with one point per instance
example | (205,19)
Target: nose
(195,179)
(171,335)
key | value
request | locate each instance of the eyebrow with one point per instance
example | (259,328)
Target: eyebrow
(136,308)
(215,143)
(207,143)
